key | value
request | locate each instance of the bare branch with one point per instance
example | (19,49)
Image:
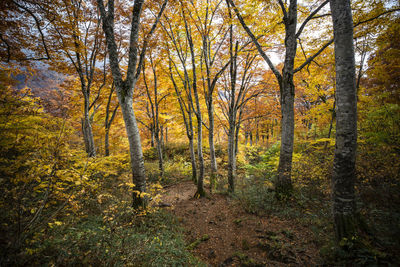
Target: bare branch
(311,16)
(257,44)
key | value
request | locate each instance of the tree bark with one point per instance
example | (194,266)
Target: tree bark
(126,87)
(213,158)
(284,182)
(135,149)
(346,122)
(88,136)
(108,121)
(107,143)
(231,157)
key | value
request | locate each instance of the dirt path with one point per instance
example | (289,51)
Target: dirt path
(221,233)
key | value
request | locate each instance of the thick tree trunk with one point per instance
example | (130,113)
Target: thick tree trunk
(284,182)
(346,122)
(126,87)
(135,148)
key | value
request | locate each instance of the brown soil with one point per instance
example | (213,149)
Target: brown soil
(221,233)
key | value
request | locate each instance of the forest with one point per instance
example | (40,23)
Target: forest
(200,133)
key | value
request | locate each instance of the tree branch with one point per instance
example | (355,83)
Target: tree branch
(311,16)
(257,44)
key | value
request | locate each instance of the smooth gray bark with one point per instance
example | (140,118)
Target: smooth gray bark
(346,121)
(126,87)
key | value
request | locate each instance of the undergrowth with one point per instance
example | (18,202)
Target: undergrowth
(375,243)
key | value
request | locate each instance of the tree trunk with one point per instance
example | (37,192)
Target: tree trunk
(211,139)
(126,87)
(107,143)
(237,137)
(231,156)
(135,148)
(283,185)
(160,158)
(87,130)
(200,181)
(346,122)
(108,121)
(152,140)
(166,135)
(257,135)
(193,160)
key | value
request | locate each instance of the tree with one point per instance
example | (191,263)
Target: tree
(283,185)
(236,98)
(213,35)
(197,110)
(125,87)
(155,102)
(346,121)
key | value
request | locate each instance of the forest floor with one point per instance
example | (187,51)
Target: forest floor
(221,233)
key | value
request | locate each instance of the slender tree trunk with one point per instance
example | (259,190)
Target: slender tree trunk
(257,135)
(200,181)
(193,160)
(159,146)
(231,156)
(87,130)
(107,142)
(237,136)
(213,158)
(160,158)
(108,122)
(346,122)
(152,140)
(166,135)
